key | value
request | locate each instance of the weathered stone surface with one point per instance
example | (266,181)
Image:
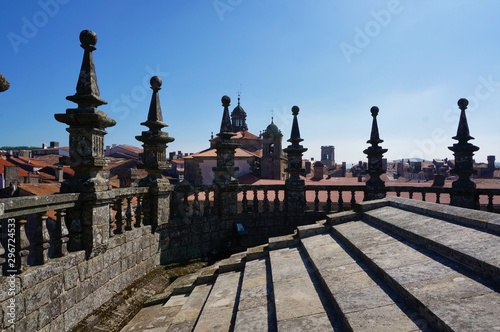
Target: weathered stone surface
(253,319)
(381,319)
(4,84)
(316,323)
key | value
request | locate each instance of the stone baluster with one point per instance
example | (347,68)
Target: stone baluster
(375,186)
(294,185)
(255,201)
(341,201)
(464,191)
(157,202)
(196,204)
(328,200)
(490,203)
(316,200)
(57,242)
(266,201)
(276,208)
(353,198)
(39,239)
(128,214)
(206,203)
(438,198)
(119,216)
(244,201)
(138,212)
(111,220)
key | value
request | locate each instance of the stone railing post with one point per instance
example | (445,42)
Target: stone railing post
(464,192)
(88,224)
(226,185)
(156,205)
(375,186)
(295,196)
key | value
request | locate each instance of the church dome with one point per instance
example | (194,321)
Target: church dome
(273,130)
(238,110)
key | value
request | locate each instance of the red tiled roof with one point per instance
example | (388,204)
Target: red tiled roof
(243,134)
(22,173)
(39,188)
(129,148)
(212,153)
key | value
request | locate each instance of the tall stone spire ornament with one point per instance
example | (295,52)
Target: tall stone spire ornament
(87,224)
(295,193)
(225,183)
(464,189)
(154,159)
(375,186)
(86,126)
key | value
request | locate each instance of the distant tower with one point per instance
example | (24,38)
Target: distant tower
(328,155)
(271,164)
(238,118)
(491,163)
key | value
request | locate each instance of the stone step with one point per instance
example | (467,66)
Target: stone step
(445,294)
(364,305)
(218,312)
(298,304)
(471,247)
(256,311)
(188,314)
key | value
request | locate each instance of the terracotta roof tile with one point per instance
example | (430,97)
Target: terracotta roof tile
(40,188)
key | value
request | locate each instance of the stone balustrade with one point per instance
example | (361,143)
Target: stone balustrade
(57,287)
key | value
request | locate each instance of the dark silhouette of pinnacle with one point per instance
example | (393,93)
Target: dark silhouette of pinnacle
(295,110)
(462,104)
(226,101)
(156,83)
(374,110)
(88,40)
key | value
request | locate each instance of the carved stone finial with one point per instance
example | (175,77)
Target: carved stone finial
(226,129)
(374,135)
(88,40)
(4,84)
(155,140)
(86,126)
(87,90)
(463,134)
(295,133)
(375,186)
(156,83)
(463,189)
(294,151)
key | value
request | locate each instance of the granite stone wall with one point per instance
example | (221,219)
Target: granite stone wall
(58,295)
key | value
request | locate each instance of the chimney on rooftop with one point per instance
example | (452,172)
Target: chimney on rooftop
(59,174)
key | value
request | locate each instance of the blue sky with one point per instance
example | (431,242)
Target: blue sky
(333,59)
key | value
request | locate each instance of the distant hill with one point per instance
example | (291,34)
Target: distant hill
(17,148)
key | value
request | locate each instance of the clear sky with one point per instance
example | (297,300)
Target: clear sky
(334,59)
